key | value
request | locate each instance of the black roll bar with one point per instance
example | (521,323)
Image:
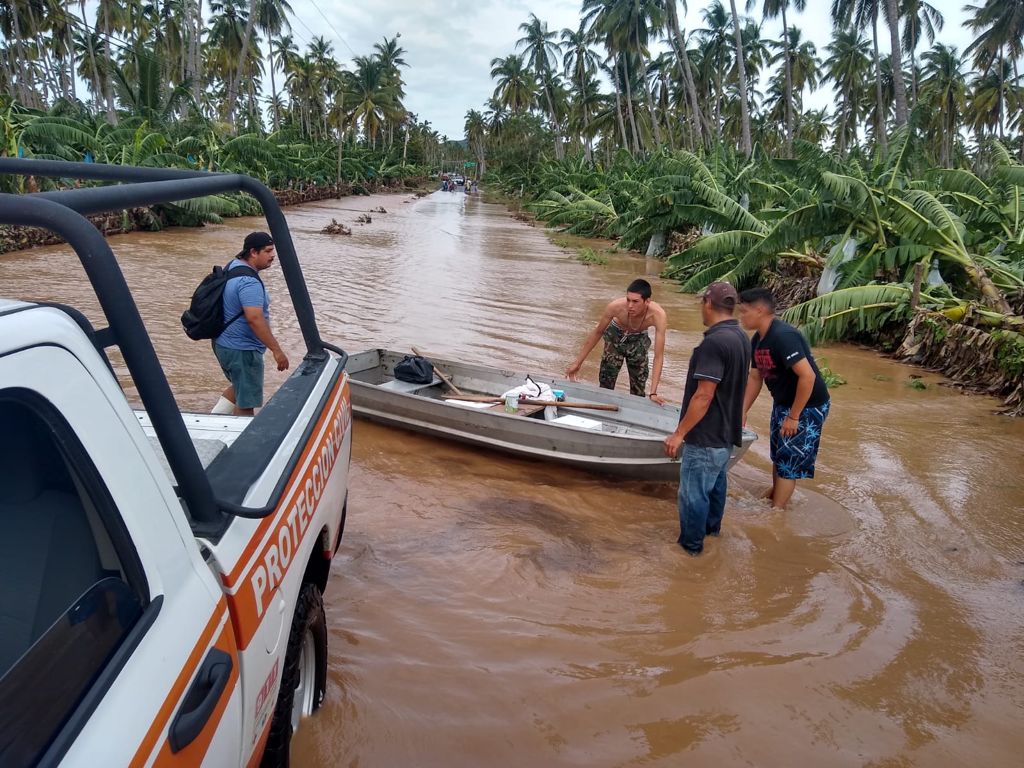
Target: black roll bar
(164,185)
(130,333)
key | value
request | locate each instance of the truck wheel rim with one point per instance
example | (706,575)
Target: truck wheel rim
(302,704)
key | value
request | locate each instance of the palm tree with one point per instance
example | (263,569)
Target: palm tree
(110,19)
(373,95)
(892,18)
(476,137)
(741,68)
(773,8)
(716,52)
(516,86)
(859,14)
(987,101)
(802,72)
(919,17)
(234,79)
(678,40)
(282,52)
(580,63)
(390,54)
(625,26)
(944,90)
(999,26)
(540,49)
(847,66)
(271,18)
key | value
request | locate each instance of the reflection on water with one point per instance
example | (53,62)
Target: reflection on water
(491,611)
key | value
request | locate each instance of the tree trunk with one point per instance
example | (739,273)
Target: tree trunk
(881,130)
(654,119)
(629,106)
(559,149)
(899,86)
(718,97)
(1016,79)
(341,143)
(697,118)
(587,151)
(741,68)
(25,87)
(236,81)
(273,91)
(988,290)
(789,82)
(618,112)
(197,60)
(107,87)
(51,83)
(89,40)
(71,61)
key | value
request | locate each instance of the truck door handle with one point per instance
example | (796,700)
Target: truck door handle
(201,699)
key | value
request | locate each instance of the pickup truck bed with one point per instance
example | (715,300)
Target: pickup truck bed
(210,434)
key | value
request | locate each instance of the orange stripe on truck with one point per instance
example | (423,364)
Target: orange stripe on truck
(263,572)
(194,753)
(160,722)
(337,403)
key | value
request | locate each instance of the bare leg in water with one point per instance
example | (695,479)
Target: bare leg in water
(782,490)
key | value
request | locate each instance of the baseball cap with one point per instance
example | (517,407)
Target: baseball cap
(257,240)
(721,294)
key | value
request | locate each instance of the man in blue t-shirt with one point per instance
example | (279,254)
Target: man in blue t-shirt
(247,335)
(711,419)
(782,359)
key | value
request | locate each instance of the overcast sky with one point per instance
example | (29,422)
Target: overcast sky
(450,43)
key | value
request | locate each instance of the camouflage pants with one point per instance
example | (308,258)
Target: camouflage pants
(632,348)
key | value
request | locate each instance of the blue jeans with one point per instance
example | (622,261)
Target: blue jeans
(702,486)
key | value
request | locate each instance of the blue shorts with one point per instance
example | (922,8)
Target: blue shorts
(244,369)
(794,456)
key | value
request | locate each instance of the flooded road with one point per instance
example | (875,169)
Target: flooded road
(489,611)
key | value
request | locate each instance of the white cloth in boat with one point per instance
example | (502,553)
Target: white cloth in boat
(531,390)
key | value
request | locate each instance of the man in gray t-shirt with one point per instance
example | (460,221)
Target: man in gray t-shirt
(711,419)
(247,335)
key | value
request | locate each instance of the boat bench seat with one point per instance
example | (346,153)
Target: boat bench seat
(408,387)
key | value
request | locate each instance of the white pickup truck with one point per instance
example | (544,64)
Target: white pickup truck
(161,573)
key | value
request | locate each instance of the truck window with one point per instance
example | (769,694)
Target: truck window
(70,588)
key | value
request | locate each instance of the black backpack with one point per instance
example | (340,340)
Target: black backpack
(415,370)
(204,318)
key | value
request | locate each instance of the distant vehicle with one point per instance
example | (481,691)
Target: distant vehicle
(460,179)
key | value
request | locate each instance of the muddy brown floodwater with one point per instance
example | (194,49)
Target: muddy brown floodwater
(485,611)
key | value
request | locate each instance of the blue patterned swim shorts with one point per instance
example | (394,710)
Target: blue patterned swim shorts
(794,456)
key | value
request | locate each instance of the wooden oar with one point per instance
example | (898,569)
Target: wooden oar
(497,400)
(437,370)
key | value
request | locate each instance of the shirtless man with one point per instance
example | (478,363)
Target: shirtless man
(624,327)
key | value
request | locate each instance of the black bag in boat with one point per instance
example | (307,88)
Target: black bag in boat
(415,370)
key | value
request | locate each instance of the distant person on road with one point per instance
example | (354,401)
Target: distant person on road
(624,326)
(782,359)
(247,335)
(711,419)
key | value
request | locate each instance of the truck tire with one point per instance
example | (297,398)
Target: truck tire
(304,679)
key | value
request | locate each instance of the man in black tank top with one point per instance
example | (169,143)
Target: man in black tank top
(782,359)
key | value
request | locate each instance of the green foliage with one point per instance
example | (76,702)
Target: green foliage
(1010,353)
(832,379)
(841,313)
(590,256)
